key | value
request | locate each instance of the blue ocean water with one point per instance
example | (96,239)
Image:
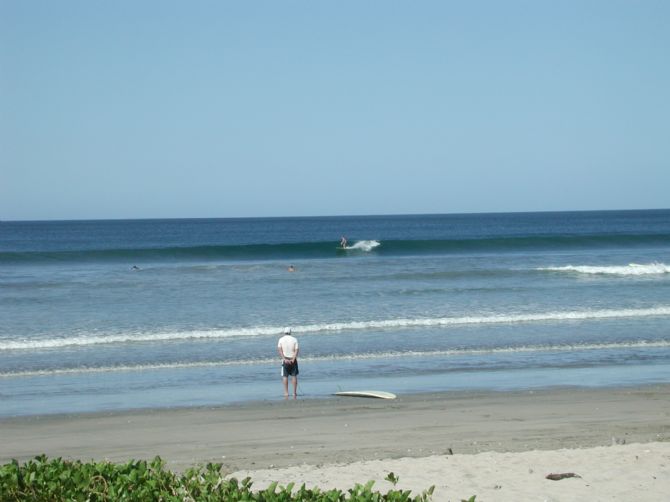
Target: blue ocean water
(108,315)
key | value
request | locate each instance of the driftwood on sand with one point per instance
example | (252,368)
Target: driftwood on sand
(563,475)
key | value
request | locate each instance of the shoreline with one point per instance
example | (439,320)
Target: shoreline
(309,400)
(340,430)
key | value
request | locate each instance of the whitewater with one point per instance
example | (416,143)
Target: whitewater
(333,327)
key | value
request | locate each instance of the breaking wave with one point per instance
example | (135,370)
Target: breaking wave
(327,249)
(141,337)
(365,246)
(630,269)
(341,357)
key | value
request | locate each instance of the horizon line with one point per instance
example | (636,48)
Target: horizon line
(377,215)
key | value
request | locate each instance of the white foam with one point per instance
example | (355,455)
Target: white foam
(134,337)
(140,337)
(343,357)
(492,319)
(630,269)
(364,245)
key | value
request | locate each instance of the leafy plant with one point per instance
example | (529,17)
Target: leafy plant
(392,478)
(42,479)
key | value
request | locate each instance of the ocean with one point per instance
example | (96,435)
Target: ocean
(125,314)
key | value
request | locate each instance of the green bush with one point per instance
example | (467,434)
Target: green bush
(45,480)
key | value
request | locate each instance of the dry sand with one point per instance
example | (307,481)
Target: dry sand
(636,472)
(556,430)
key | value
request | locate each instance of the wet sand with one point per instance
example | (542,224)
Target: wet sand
(343,430)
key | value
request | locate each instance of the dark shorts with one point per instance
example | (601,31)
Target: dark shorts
(288,369)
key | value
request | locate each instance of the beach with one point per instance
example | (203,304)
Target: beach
(458,204)
(629,472)
(465,443)
(518,344)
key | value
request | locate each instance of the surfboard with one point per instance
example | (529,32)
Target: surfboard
(379,394)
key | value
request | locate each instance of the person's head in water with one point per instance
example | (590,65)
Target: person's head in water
(291,268)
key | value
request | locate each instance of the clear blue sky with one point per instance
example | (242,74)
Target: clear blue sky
(141,109)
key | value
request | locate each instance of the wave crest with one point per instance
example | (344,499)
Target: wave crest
(326,249)
(630,269)
(643,344)
(364,246)
(139,337)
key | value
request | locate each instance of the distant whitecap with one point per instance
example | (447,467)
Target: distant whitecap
(630,269)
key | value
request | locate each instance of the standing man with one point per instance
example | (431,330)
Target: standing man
(288,351)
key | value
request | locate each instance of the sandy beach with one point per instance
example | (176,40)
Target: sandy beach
(503,444)
(638,472)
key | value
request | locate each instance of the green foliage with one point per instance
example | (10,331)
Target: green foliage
(43,479)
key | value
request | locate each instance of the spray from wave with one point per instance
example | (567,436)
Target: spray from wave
(630,269)
(365,246)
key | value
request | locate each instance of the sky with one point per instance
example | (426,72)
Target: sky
(176,109)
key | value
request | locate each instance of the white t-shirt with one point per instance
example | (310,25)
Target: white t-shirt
(289,346)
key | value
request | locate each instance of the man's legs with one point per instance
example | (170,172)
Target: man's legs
(285,382)
(295,388)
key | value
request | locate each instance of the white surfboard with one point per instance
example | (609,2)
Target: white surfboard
(379,394)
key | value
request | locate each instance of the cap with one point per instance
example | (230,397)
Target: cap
(287,331)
